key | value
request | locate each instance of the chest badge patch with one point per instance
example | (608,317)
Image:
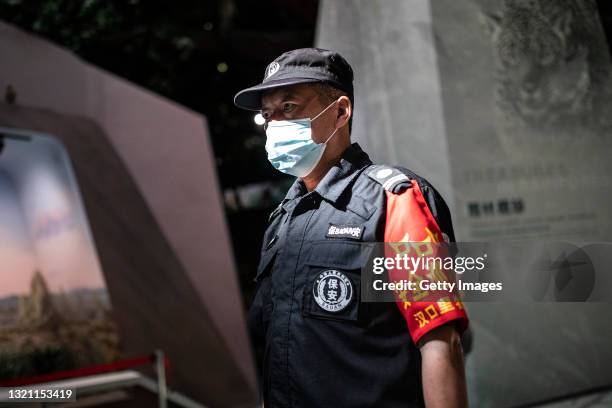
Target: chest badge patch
(344,231)
(332,290)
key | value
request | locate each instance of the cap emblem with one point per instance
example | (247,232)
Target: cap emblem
(272,69)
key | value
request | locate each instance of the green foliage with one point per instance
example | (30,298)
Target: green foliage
(143,41)
(68,22)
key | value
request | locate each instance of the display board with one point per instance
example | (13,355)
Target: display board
(146,170)
(55,312)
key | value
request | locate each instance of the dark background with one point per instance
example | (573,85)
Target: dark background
(199,54)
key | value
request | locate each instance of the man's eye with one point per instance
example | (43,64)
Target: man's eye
(288,107)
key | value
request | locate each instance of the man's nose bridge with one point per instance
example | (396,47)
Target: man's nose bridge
(276,115)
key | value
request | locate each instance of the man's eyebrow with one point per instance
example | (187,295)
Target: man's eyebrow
(289,94)
(286,95)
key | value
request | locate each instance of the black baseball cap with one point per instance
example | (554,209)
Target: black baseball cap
(301,66)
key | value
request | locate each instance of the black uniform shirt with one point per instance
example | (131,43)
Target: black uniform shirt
(329,349)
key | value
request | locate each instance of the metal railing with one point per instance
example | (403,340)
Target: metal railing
(105,378)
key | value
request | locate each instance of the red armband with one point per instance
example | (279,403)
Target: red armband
(411,229)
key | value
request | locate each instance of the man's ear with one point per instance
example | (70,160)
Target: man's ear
(345,110)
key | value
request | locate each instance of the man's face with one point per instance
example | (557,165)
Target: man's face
(299,102)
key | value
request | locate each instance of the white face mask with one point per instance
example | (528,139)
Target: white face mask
(290,146)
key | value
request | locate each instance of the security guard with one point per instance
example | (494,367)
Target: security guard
(324,346)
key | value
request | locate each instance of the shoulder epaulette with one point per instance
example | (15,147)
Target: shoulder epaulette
(392,179)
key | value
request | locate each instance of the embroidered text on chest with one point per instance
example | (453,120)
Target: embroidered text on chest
(344,231)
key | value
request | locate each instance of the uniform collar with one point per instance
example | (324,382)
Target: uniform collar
(337,179)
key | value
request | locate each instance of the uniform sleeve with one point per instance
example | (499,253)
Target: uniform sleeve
(410,220)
